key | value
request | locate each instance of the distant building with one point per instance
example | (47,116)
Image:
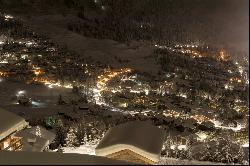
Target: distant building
(9,125)
(84,106)
(137,142)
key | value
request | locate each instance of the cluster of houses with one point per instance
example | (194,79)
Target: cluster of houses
(128,142)
(17,135)
(134,142)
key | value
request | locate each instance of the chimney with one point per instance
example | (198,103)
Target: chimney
(31,141)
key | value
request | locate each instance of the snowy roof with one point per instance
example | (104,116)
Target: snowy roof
(10,123)
(139,137)
(42,132)
(38,146)
(53,158)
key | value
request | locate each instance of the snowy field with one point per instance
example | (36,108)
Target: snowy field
(83,149)
(87,148)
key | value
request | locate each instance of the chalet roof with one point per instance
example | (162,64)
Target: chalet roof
(39,144)
(9,123)
(53,158)
(139,137)
(42,132)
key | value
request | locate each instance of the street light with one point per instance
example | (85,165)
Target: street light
(21,92)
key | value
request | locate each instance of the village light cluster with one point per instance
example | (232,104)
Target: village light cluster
(7,57)
(201,136)
(102,81)
(113,83)
(219,125)
(223,55)
(57,84)
(171,113)
(20,93)
(185,49)
(4,74)
(246,145)
(201,118)
(8,17)
(179,147)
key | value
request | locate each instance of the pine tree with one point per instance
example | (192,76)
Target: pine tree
(38,131)
(71,138)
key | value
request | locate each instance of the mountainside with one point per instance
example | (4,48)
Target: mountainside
(89,65)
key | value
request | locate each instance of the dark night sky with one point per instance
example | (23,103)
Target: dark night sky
(230,19)
(233,15)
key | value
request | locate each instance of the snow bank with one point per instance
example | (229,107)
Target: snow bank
(83,149)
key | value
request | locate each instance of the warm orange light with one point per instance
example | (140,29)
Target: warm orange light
(222,55)
(201,118)
(41,80)
(38,72)
(2,73)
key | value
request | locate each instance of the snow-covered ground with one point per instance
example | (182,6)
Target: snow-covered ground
(83,149)
(172,161)
(90,150)
(87,148)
